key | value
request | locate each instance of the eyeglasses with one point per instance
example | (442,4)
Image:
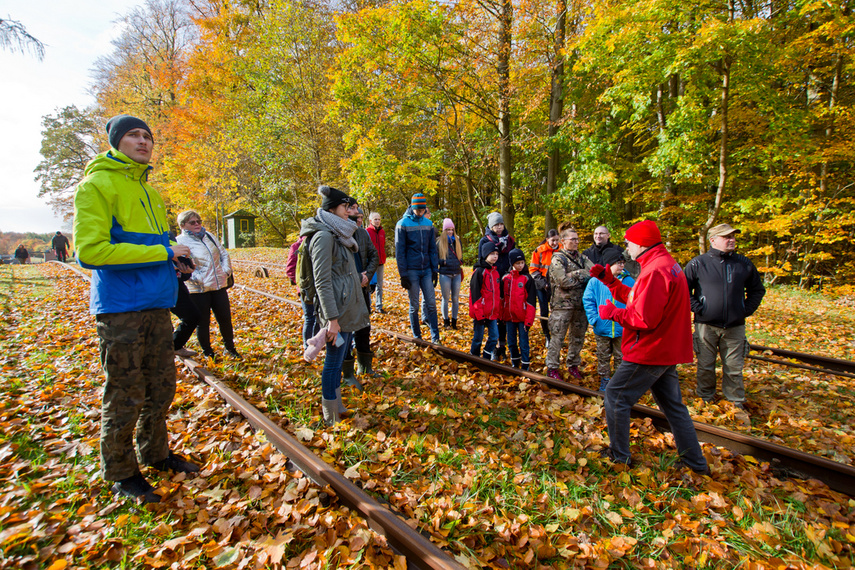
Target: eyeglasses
(571,239)
(193,222)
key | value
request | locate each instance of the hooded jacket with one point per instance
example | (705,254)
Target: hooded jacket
(540,260)
(519,296)
(213,264)
(415,244)
(338,286)
(378,238)
(656,320)
(597,294)
(485,293)
(724,288)
(121,234)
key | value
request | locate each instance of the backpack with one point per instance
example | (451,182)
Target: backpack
(305,275)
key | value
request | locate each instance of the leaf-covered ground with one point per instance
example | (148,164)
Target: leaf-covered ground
(504,473)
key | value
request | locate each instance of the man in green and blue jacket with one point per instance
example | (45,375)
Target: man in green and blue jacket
(121,234)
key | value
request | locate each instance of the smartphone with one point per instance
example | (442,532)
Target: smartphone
(339,340)
(186,261)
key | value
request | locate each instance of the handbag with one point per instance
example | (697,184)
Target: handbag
(230,281)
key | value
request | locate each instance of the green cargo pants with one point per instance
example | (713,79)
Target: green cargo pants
(139,366)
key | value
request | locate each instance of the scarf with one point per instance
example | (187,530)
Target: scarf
(200,234)
(342,229)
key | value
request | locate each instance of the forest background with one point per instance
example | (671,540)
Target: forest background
(593,112)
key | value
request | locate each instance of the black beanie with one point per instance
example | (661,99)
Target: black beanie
(121,124)
(333,197)
(487,248)
(611,256)
(515,255)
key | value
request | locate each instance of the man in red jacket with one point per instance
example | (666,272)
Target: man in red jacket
(378,238)
(657,336)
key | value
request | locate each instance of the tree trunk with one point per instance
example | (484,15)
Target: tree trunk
(829,130)
(722,153)
(506,194)
(556,107)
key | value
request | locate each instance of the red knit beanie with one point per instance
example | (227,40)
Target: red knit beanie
(644,233)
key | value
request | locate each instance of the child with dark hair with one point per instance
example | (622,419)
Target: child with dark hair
(518,300)
(485,301)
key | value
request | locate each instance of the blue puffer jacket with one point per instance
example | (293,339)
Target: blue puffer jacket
(597,294)
(415,244)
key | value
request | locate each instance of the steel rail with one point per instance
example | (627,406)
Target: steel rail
(825,362)
(790,462)
(419,551)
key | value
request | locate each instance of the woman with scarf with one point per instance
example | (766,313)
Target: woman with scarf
(339,304)
(208,282)
(450,271)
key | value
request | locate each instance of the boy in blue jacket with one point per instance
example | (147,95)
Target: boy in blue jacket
(608,333)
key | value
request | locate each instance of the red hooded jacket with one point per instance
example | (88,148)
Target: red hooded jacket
(657,319)
(518,297)
(485,293)
(378,238)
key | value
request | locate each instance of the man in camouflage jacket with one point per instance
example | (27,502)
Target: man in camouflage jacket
(569,273)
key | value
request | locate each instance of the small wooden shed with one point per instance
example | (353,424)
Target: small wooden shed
(240,229)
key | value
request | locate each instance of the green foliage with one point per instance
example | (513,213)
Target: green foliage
(70,139)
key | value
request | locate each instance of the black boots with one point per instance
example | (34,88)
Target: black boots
(364,361)
(176,463)
(136,487)
(454,324)
(348,376)
(446,323)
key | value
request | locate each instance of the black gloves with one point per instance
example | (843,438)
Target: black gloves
(405,282)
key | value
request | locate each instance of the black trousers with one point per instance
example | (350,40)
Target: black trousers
(187,313)
(362,337)
(218,302)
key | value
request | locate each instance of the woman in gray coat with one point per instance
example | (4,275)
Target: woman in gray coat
(337,294)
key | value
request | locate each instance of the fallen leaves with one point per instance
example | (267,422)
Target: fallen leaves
(503,476)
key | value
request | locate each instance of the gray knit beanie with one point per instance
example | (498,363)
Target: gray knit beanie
(494,218)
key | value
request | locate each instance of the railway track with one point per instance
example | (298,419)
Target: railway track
(421,555)
(789,462)
(805,361)
(420,552)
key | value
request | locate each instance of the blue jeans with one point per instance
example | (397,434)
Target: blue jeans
(628,384)
(518,330)
(378,291)
(422,281)
(450,287)
(331,375)
(310,323)
(478,336)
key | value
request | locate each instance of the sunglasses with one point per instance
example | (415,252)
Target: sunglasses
(193,222)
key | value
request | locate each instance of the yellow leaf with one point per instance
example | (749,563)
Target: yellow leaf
(58,565)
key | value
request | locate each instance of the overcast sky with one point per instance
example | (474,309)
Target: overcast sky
(76,33)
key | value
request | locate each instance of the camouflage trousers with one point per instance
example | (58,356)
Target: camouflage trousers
(139,366)
(607,347)
(560,322)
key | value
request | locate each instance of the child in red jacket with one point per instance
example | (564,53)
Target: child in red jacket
(519,296)
(485,301)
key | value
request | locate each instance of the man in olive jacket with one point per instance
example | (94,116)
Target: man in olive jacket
(724,289)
